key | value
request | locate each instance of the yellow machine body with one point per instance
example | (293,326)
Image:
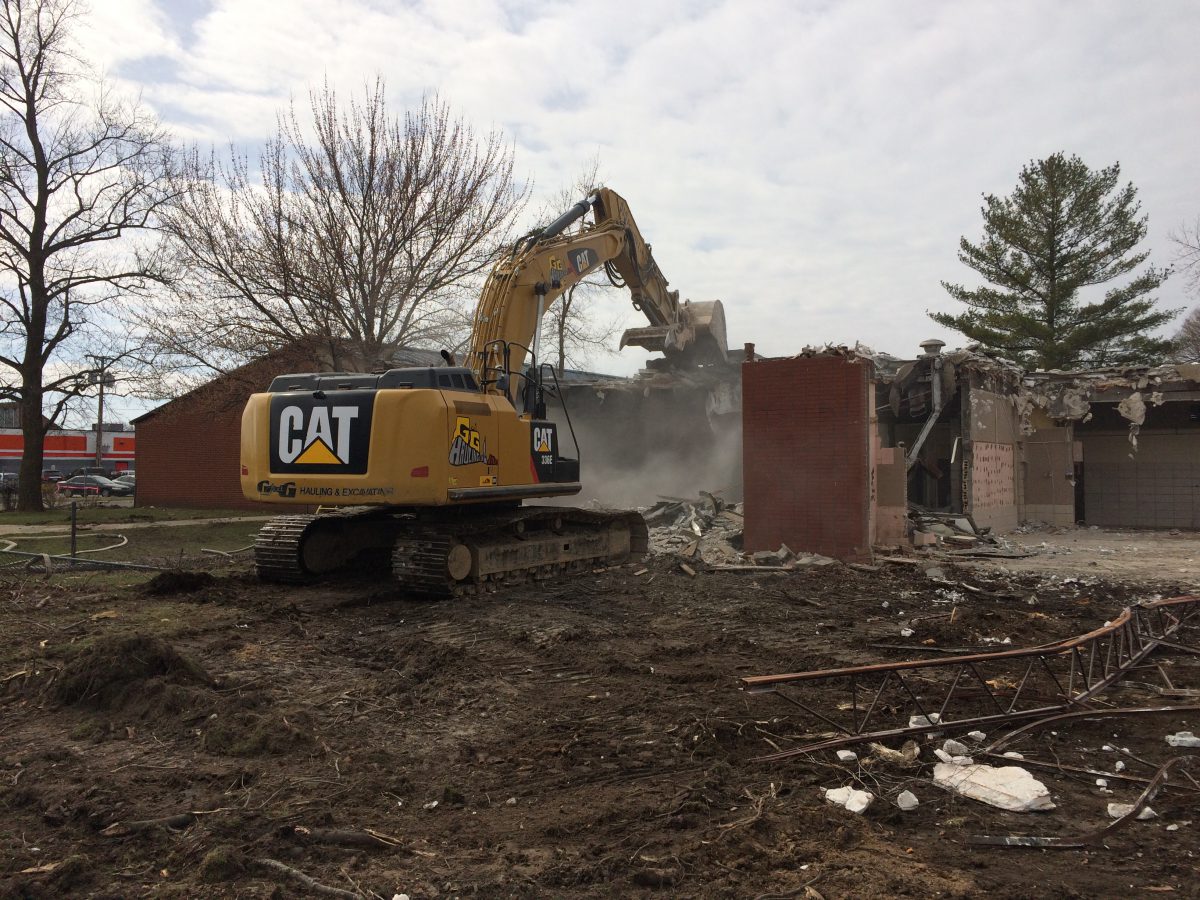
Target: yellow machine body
(424,447)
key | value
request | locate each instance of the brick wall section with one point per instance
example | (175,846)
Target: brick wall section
(805,450)
(189,450)
(191,460)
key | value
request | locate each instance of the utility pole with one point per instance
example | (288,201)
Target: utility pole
(100,378)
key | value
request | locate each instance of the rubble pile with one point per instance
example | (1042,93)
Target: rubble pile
(951,529)
(708,528)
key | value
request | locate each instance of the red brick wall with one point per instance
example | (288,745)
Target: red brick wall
(190,458)
(806,462)
(189,450)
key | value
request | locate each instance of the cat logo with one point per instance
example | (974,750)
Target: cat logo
(325,441)
(582,259)
(312,437)
(543,440)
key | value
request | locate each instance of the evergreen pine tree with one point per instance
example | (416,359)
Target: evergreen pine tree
(1064,229)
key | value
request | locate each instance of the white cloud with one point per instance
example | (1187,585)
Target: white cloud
(811,164)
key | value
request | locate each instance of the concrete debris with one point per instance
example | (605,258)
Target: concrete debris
(1007,787)
(709,529)
(955,748)
(847,756)
(1013,754)
(849,798)
(977,736)
(907,800)
(953,529)
(1183,739)
(953,760)
(1116,810)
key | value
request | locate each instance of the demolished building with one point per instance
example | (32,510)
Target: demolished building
(842,446)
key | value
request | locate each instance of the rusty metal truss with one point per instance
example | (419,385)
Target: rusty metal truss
(874,702)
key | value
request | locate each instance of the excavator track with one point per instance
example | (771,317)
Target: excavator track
(443,553)
(277,549)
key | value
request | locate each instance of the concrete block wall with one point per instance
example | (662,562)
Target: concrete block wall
(1158,486)
(806,455)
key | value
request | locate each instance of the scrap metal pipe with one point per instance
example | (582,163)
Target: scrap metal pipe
(1025,683)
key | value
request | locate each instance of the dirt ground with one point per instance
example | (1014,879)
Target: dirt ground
(586,738)
(1134,555)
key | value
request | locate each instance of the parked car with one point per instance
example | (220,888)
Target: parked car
(126,478)
(90,470)
(51,475)
(93,485)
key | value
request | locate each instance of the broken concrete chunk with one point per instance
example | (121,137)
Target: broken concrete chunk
(1183,739)
(922,721)
(1007,787)
(907,800)
(936,572)
(978,736)
(1116,810)
(1013,754)
(849,798)
(847,756)
(955,748)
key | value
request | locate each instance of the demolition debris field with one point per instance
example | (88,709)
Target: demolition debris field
(579,738)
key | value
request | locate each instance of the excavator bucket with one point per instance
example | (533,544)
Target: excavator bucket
(698,339)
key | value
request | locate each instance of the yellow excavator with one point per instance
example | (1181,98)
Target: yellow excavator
(430,467)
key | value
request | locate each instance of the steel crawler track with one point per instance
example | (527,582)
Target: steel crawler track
(448,552)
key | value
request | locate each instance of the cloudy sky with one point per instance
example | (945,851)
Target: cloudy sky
(812,164)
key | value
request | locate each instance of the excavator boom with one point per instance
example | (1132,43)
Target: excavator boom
(551,261)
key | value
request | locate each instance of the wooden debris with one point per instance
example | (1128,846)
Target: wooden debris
(121,829)
(340,838)
(300,878)
(688,569)
(641,571)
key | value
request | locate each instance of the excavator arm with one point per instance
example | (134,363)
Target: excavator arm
(544,265)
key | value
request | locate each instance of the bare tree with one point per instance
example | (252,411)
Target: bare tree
(1187,258)
(1187,339)
(1187,253)
(79,171)
(572,321)
(368,235)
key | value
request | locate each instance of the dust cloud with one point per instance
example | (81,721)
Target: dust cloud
(638,444)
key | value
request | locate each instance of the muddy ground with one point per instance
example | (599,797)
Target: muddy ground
(584,738)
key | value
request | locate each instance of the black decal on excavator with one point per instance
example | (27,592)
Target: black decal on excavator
(583,259)
(544,448)
(311,435)
(283,490)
